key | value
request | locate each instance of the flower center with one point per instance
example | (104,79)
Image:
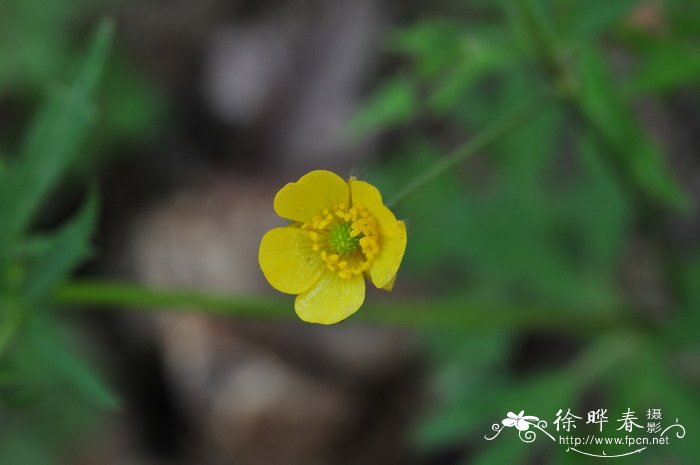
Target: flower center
(340,241)
(347,239)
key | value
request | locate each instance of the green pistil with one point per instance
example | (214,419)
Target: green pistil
(340,241)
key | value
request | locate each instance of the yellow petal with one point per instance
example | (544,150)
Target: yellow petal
(387,262)
(392,233)
(331,299)
(310,195)
(288,261)
(365,194)
(390,286)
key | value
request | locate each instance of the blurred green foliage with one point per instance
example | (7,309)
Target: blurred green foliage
(43,374)
(547,218)
(50,394)
(39,40)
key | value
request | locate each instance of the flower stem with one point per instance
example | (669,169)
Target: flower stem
(480,141)
(452,314)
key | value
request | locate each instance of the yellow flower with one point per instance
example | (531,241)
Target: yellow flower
(340,233)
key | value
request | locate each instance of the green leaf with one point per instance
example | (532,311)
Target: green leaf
(41,45)
(54,358)
(432,45)
(394,103)
(533,25)
(51,145)
(464,368)
(666,65)
(62,253)
(57,406)
(587,20)
(9,377)
(612,117)
(683,330)
(13,315)
(541,396)
(647,381)
(481,54)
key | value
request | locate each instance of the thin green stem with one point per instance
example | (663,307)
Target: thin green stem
(452,314)
(480,141)
(122,295)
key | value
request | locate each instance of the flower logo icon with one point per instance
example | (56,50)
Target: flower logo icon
(520,421)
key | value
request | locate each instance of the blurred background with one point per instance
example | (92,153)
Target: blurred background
(558,267)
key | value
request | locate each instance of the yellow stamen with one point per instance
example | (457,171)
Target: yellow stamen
(333,233)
